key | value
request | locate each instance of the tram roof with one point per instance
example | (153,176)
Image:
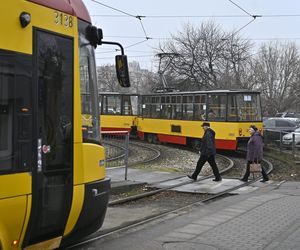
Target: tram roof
(206,92)
(72,7)
(116,93)
(184,92)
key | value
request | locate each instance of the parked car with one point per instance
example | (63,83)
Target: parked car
(279,124)
(292,116)
(287,140)
(276,127)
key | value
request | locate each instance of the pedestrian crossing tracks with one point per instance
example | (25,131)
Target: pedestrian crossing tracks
(181,183)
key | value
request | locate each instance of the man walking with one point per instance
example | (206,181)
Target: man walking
(208,152)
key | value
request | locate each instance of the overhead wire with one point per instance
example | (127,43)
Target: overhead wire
(129,46)
(201,16)
(170,38)
(248,13)
(243,27)
(240,7)
(113,8)
(139,17)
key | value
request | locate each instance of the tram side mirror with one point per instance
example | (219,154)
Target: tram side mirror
(122,71)
(93,35)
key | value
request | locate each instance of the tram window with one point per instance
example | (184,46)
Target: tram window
(187,107)
(146,106)
(86,104)
(216,107)
(155,99)
(166,111)
(146,109)
(15,112)
(176,108)
(6,135)
(146,99)
(187,111)
(155,110)
(232,108)
(112,105)
(200,107)
(100,103)
(134,104)
(127,108)
(249,108)
(177,111)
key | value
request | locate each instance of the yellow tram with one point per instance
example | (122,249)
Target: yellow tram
(53,188)
(176,117)
(118,111)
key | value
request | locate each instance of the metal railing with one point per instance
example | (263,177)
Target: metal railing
(116,144)
(284,141)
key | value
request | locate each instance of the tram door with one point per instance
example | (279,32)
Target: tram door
(52,173)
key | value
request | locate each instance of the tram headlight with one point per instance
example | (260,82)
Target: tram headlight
(240,132)
(25,19)
(15,243)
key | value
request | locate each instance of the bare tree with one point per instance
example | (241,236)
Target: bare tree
(107,78)
(276,71)
(209,57)
(142,80)
(236,63)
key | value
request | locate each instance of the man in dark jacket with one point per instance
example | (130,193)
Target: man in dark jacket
(208,152)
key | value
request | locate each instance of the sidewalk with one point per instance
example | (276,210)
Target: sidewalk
(267,217)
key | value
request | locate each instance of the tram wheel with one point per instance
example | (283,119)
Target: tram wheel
(195,144)
(149,138)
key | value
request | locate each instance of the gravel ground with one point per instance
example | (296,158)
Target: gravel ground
(184,161)
(177,159)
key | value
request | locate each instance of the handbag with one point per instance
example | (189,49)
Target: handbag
(255,167)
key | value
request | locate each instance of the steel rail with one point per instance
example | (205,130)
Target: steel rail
(150,193)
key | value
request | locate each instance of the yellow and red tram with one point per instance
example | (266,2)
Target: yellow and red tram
(53,187)
(176,117)
(119,111)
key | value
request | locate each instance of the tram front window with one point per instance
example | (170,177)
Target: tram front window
(88,85)
(248,106)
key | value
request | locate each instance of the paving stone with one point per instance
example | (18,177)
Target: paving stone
(195,229)
(253,226)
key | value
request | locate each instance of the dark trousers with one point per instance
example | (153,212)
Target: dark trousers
(247,173)
(212,163)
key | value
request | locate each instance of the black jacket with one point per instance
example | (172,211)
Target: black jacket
(208,147)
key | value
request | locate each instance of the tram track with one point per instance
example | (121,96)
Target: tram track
(120,153)
(155,156)
(159,190)
(165,214)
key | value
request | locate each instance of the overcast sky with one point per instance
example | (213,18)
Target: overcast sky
(280,20)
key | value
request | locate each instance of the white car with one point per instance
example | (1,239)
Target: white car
(287,140)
